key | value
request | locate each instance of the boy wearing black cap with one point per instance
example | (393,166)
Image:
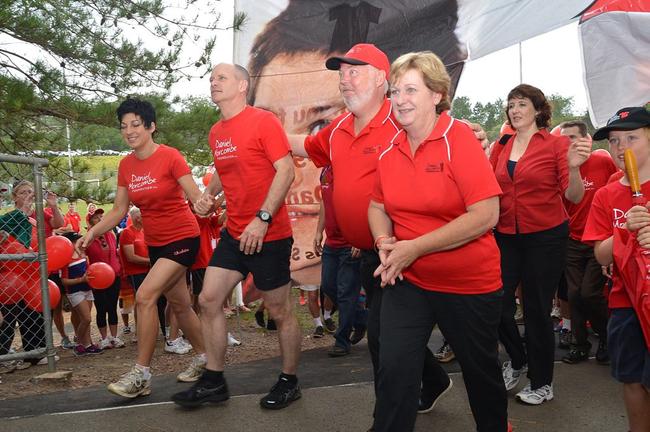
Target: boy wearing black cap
(612,218)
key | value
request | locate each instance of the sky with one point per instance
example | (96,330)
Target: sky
(551,61)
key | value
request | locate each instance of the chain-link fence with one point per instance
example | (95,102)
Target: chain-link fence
(26,330)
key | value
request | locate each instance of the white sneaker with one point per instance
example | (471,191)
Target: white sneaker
(194,370)
(232,341)
(105,343)
(43,361)
(537,396)
(176,346)
(131,384)
(116,342)
(512,376)
(555,312)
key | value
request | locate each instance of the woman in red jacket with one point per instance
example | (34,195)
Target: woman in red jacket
(535,170)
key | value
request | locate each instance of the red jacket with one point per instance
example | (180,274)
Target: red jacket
(532,199)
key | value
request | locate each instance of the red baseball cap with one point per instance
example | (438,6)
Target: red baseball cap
(89,215)
(361,54)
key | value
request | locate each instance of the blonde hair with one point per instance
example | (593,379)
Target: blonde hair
(434,74)
(18,184)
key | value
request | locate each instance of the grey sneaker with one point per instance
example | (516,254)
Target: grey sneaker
(67,343)
(512,376)
(536,396)
(132,384)
(193,371)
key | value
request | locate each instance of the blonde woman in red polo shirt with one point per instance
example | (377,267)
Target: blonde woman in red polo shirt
(155,178)
(535,170)
(432,211)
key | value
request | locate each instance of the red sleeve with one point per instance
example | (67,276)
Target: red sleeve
(377,191)
(48,214)
(561,146)
(178,164)
(599,222)
(472,172)
(127,237)
(273,138)
(318,146)
(121,177)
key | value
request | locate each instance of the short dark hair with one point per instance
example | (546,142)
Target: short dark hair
(582,126)
(540,103)
(139,107)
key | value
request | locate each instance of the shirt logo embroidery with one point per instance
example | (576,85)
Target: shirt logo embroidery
(620,217)
(437,167)
(224,149)
(371,149)
(180,252)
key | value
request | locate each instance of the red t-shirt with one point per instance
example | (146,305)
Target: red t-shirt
(47,217)
(424,192)
(74,220)
(334,237)
(595,173)
(152,185)
(132,236)
(209,234)
(532,199)
(104,249)
(354,165)
(245,148)
(609,212)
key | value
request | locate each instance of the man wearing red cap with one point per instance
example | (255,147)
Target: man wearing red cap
(351,144)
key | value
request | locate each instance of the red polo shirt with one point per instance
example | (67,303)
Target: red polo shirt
(532,200)
(595,173)
(426,191)
(354,165)
(74,220)
(609,212)
(334,237)
(245,148)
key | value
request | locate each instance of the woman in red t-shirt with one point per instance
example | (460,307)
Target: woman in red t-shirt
(535,171)
(431,214)
(156,178)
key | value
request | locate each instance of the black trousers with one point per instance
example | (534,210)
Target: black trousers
(537,260)
(30,323)
(470,325)
(431,371)
(106,304)
(585,282)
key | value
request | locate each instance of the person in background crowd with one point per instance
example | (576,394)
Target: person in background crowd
(535,170)
(104,249)
(584,278)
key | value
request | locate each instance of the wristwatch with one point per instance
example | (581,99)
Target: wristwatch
(264,216)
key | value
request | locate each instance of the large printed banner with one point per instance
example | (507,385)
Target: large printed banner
(284,45)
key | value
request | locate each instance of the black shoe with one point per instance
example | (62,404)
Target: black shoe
(337,351)
(357,335)
(270,325)
(575,356)
(602,354)
(202,392)
(330,326)
(319,332)
(281,395)
(565,339)
(259,319)
(429,399)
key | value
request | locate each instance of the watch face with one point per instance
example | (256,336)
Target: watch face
(265,216)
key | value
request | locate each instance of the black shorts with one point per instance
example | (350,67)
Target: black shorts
(181,251)
(194,279)
(627,348)
(270,267)
(136,280)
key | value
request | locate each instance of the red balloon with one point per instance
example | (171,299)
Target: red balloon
(13,287)
(13,246)
(100,275)
(557,131)
(506,129)
(59,252)
(34,298)
(206,178)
